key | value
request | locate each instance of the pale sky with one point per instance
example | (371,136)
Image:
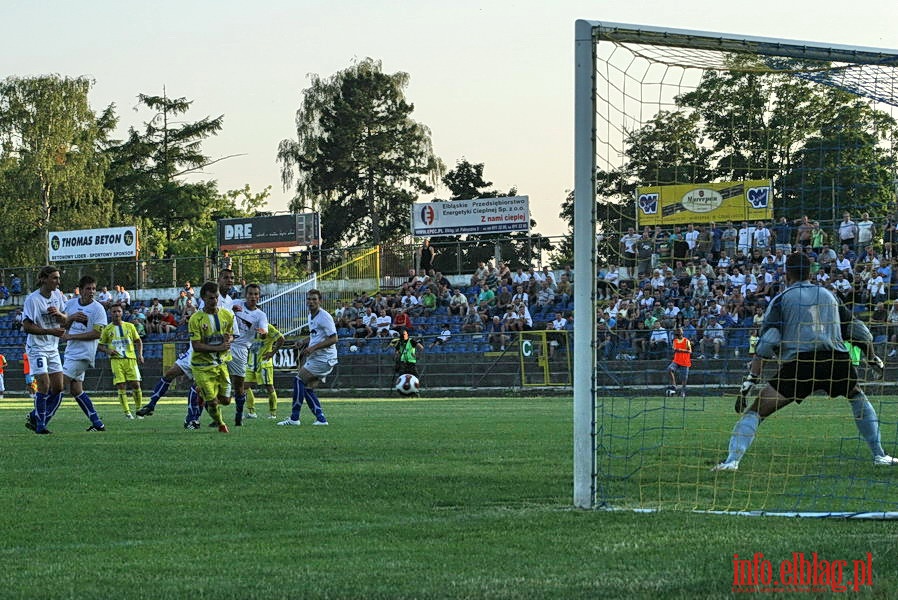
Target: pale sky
(492,79)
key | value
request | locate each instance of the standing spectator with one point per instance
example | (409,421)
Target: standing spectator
(889,238)
(847,231)
(746,238)
(628,251)
(761,237)
(15,288)
(729,237)
(866,230)
(426,254)
(782,235)
(225,262)
(4,294)
(691,238)
(803,232)
(123,298)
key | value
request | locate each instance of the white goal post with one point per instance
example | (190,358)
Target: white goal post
(587,418)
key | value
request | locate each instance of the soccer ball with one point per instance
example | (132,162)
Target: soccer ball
(671,391)
(353,348)
(407,385)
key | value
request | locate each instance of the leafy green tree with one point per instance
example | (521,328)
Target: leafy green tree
(52,168)
(148,170)
(358,157)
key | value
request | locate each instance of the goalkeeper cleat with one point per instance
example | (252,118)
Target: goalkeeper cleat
(732,465)
(885,461)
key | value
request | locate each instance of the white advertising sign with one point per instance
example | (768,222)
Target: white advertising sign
(480,215)
(93,244)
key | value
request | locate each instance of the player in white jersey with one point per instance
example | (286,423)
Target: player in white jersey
(86,318)
(249,321)
(225,285)
(44,321)
(320,353)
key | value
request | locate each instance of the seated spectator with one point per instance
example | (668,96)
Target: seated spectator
(17,320)
(658,341)
(565,290)
(104,297)
(480,273)
(524,315)
(167,323)
(486,296)
(4,294)
(545,297)
(496,334)
(122,297)
(713,337)
(472,323)
(428,303)
(383,324)
(443,338)
(458,303)
(366,324)
(402,319)
(520,295)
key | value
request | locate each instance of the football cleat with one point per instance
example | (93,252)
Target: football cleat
(250,415)
(144,411)
(129,416)
(885,461)
(192,425)
(95,427)
(732,465)
(223,429)
(320,423)
(289,423)
(30,422)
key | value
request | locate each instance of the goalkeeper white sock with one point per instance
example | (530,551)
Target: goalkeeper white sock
(867,422)
(743,435)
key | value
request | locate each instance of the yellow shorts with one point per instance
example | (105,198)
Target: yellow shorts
(124,369)
(213,382)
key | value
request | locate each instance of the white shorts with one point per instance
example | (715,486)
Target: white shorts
(320,367)
(237,364)
(2,385)
(44,361)
(184,363)
(75,369)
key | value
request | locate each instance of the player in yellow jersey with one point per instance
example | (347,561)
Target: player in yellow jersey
(260,370)
(120,341)
(211,333)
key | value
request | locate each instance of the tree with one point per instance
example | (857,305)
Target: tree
(358,157)
(148,169)
(52,168)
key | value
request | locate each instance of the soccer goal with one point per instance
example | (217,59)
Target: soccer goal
(677,134)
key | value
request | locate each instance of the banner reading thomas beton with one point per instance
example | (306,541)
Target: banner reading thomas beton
(93,244)
(480,215)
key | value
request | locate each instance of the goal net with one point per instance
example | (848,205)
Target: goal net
(702,161)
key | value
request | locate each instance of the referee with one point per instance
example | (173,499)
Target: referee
(805,325)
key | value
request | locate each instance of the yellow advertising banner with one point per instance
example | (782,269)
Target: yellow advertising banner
(705,203)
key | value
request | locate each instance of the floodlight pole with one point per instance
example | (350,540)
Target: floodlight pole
(584,268)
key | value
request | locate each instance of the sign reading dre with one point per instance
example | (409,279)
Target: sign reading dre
(277,231)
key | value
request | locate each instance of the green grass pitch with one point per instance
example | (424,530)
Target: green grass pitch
(434,498)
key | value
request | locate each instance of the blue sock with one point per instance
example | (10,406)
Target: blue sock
(315,404)
(40,411)
(159,391)
(87,406)
(299,392)
(867,422)
(53,404)
(240,402)
(743,435)
(193,405)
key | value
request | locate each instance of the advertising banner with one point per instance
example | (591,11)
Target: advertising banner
(93,244)
(705,203)
(480,215)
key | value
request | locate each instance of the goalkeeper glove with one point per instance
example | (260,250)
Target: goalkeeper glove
(748,384)
(877,366)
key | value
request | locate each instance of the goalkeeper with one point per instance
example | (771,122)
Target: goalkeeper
(806,325)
